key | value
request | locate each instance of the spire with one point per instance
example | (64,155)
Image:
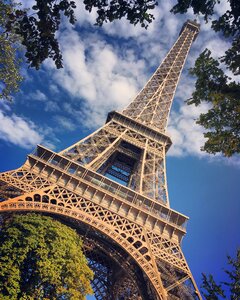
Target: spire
(152,105)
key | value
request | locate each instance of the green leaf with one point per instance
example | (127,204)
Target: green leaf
(40,258)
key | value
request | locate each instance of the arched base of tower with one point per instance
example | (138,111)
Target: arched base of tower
(116,275)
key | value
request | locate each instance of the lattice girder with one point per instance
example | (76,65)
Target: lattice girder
(152,105)
(53,200)
(23,180)
(122,234)
(121,279)
(148,174)
(142,246)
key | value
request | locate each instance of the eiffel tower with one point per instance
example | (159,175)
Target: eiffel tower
(112,187)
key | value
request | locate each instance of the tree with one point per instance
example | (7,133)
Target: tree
(214,291)
(10,77)
(212,85)
(223,118)
(40,258)
(38,31)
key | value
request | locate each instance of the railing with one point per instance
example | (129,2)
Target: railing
(74,169)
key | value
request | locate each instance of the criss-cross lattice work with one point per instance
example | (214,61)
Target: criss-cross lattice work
(152,105)
(112,187)
(136,160)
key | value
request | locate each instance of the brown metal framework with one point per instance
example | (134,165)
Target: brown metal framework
(112,186)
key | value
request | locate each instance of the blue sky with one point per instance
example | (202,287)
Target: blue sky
(103,70)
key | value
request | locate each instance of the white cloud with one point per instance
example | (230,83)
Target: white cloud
(51,106)
(98,75)
(233,161)
(4,105)
(186,135)
(50,139)
(65,122)
(18,131)
(222,7)
(53,88)
(217,46)
(27,3)
(22,132)
(83,16)
(37,96)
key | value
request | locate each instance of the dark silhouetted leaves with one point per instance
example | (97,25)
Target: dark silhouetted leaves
(136,11)
(204,7)
(214,291)
(38,31)
(223,118)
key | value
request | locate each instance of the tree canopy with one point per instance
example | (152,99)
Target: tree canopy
(223,118)
(38,30)
(213,86)
(40,258)
(224,290)
(10,77)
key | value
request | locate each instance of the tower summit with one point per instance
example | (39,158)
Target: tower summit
(112,186)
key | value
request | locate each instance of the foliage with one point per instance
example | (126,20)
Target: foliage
(228,24)
(38,31)
(10,77)
(204,7)
(213,86)
(223,118)
(40,258)
(214,291)
(135,11)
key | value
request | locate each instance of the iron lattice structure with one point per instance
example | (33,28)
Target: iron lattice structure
(112,187)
